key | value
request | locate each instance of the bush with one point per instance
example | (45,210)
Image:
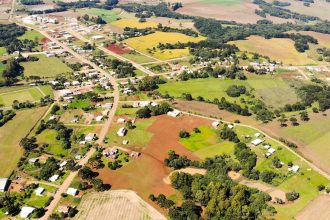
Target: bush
(320,187)
(184,134)
(291,196)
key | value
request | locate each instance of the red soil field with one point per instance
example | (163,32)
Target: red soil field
(117,49)
(145,174)
(44,42)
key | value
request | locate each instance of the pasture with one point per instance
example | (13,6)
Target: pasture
(152,40)
(116,204)
(133,23)
(279,49)
(107,15)
(45,67)
(21,94)
(137,57)
(267,88)
(11,134)
(31,35)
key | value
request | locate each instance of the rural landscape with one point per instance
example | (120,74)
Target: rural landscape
(181,110)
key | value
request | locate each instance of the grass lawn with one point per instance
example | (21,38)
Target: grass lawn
(80,103)
(107,15)
(126,111)
(10,135)
(55,146)
(2,68)
(152,40)
(138,137)
(266,87)
(47,67)
(21,94)
(2,50)
(225,147)
(31,35)
(137,57)
(133,23)
(280,49)
(47,90)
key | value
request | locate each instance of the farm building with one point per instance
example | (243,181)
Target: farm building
(4,182)
(26,211)
(294,168)
(121,132)
(72,191)
(175,113)
(256,142)
(39,191)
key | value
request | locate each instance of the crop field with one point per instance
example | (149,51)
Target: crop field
(267,88)
(278,49)
(133,23)
(20,94)
(116,204)
(233,10)
(45,67)
(107,15)
(152,40)
(137,57)
(317,209)
(11,134)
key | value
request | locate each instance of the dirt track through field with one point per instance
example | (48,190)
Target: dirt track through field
(116,204)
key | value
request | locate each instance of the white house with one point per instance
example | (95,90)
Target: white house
(99,118)
(26,211)
(54,178)
(121,120)
(97,37)
(3,184)
(121,132)
(63,163)
(215,124)
(256,142)
(294,168)
(175,113)
(257,134)
(33,160)
(230,126)
(39,191)
(72,191)
(90,137)
(107,105)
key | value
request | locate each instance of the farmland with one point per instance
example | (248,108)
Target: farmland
(116,204)
(11,134)
(152,40)
(21,94)
(276,48)
(45,67)
(31,35)
(266,88)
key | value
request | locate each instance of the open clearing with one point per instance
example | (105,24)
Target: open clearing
(231,10)
(45,67)
(116,204)
(31,35)
(107,15)
(275,91)
(133,23)
(20,94)
(189,170)
(317,209)
(279,49)
(152,40)
(11,134)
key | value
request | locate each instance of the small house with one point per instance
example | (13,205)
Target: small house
(294,168)
(121,132)
(121,120)
(39,191)
(90,137)
(54,178)
(175,113)
(33,160)
(4,182)
(72,191)
(215,124)
(99,118)
(256,142)
(26,211)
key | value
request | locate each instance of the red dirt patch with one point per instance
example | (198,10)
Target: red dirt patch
(118,49)
(45,42)
(145,174)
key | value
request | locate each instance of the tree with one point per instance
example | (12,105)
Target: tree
(144,112)
(267,176)
(87,173)
(294,121)
(291,196)
(184,134)
(283,120)
(304,116)
(29,143)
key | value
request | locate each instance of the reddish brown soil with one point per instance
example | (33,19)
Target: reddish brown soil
(44,42)
(145,174)
(118,49)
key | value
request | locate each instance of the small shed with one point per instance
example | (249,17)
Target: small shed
(72,191)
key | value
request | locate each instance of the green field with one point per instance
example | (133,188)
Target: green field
(137,57)
(31,35)
(274,91)
(55,146)
(21,94)
(107,15)
(2,50)
(45,67)
(137,137)
(11,134)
